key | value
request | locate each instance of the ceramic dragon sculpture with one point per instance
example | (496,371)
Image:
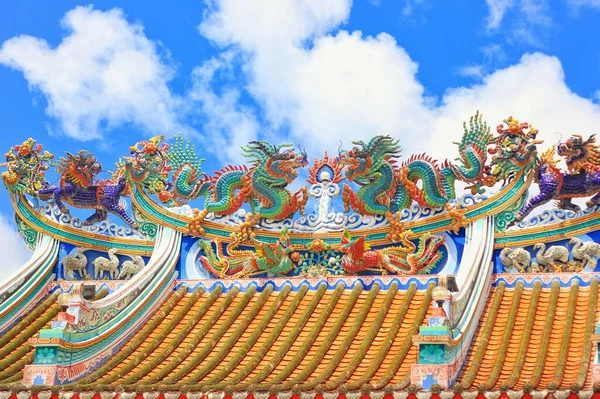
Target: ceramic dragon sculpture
(513,149)
(271,258)
(386,188)
(152,161)
(581,180)
(407,258)
(262,186)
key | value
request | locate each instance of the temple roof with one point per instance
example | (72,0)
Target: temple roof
(307,338)
(273,339)
(535,336)
(262,340)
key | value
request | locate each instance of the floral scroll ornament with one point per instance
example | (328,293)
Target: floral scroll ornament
(26,167)
(431,354)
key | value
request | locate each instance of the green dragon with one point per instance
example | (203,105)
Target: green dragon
(386,188)
(262,186)
(153,160)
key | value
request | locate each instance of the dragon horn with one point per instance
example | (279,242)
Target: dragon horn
(592,139)
(340,148)
(261,146)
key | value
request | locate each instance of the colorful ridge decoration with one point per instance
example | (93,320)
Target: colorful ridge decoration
(361,275)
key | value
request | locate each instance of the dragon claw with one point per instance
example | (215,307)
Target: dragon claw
(397,231)
(458,217)
(246,231)
(194,227)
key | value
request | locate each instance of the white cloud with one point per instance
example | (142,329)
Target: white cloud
(522,21)
(326,87)
(14,251)
(497,9)
(533,90)
(104,73)
(338,87)
(410,6)
(580,3)
(472,71)
(228,123)
(493,54)
(259,24)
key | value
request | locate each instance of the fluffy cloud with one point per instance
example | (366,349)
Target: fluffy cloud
(339,87)
(228,123)
(589,3)
(324,87)
(530,20)
(497,10)
(14,252)
(533,90)
(105,72)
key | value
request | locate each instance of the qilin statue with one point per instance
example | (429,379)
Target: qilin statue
(271,258)
(407,258)
(262,186)
(26,167)
(386,188)
(582,179)
(78,187)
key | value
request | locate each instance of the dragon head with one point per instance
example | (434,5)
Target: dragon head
(79,169)
(513,149)
(363,158)
(578,152)
(281,162)
(148,165)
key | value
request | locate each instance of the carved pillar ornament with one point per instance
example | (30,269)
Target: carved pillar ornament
(433,366)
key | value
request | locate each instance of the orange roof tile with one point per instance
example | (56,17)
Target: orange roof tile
(274,340)
(537,336)
(325,338)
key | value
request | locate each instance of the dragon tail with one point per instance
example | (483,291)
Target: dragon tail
(210,260)
(217,265)
(188,180)
(228,190)
(423,261)
(428,254)
(423,168)
(472,151)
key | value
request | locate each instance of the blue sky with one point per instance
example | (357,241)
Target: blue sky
(102,77)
